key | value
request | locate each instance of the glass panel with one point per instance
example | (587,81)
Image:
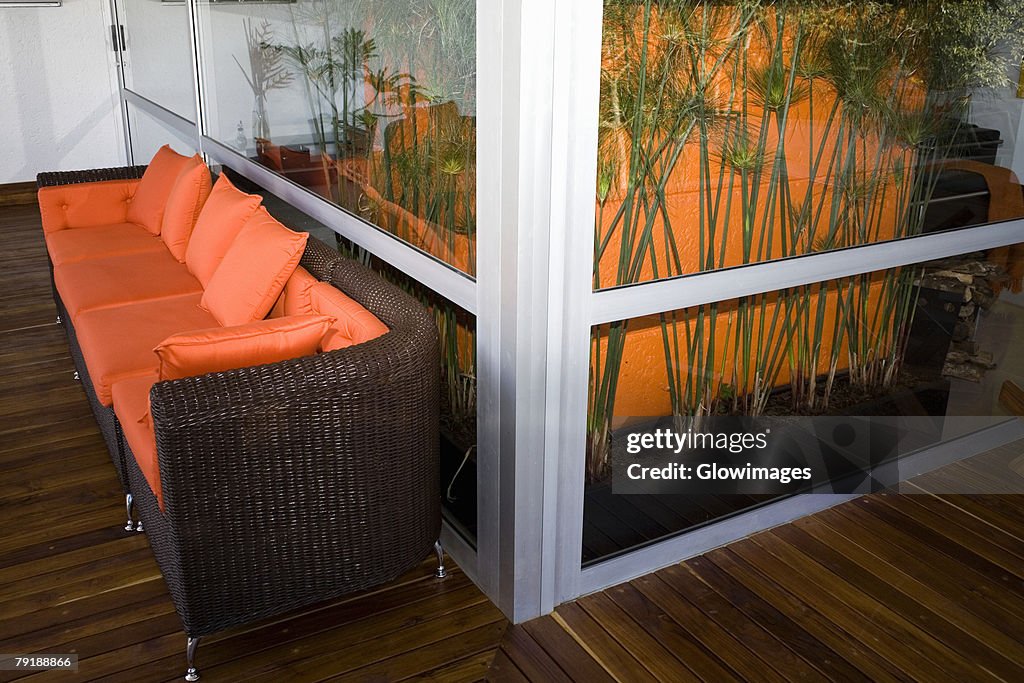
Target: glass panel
(370,104)
(457,329)
(738,132)
(148,134)
(158,54)
(923,351)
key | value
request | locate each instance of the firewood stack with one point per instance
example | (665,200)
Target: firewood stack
(978,281)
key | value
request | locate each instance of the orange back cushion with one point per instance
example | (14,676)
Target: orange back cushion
(353,324)
(186,200)
(219,223)
(253,272)
(148,204)
(227,348)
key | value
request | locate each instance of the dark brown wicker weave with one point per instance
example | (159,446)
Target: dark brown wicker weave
(300,481)
(92,175)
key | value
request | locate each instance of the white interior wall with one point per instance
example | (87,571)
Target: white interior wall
(59,108)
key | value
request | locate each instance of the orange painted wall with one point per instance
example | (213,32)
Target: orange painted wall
(643,385)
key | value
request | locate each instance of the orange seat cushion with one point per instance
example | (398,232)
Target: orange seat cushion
(150,200)
(186,200)
(118,342)
(253,272)
(353,324)
(219,349)
(219,222)
(118,239)
(131,405)
(85,205)
(116,280)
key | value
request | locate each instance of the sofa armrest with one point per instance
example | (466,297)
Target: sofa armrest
(319,259)
(362,403)
(86,199)
(294,482)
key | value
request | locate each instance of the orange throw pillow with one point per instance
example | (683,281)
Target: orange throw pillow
(219,223)
(147,206)
(186,200)
(218,349)
(250,278)
(353,323)
(295,299)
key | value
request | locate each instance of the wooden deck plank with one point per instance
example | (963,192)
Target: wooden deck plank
(973,594)
(644,648)
(601,645)
(530,658)
(566,651)
(914,609)
(829,662)
(669,634)
(867,661)
(724,644)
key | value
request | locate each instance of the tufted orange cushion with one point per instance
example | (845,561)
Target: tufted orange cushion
(353,324)
(118,239)
(295,299)
(253,272)
(218,349)
(85,205)
(186,200)
(220,221)
(148,204)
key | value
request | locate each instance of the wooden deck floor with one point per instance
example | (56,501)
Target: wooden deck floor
(72,581)
(887,587)
(903,588)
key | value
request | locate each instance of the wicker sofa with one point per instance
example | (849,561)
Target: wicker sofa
(287,483)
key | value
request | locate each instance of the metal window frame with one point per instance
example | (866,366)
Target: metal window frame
(179,124)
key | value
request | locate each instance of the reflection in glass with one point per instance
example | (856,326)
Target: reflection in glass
(457,333)
(737,132)
(938,339)
(158,54)
(368,103)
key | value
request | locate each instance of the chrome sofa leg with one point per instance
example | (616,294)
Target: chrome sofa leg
(192,673)
(441,571)
(129,504)
(76,377)
(58,320)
